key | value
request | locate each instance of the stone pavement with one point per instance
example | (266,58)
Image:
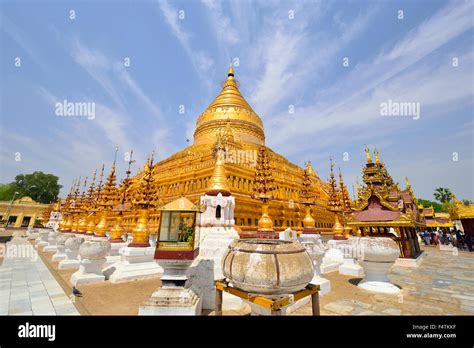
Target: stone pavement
(442,285)
(27,287)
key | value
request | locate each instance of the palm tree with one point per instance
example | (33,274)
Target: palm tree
(443,195)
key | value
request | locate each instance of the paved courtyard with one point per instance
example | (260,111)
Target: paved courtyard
(442,285)
(27,287)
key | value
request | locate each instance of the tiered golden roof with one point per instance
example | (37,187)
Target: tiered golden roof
(195,171)
(229,108)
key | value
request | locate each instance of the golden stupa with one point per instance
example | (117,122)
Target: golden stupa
(240,131)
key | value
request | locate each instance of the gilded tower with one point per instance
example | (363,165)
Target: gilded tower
(230,120)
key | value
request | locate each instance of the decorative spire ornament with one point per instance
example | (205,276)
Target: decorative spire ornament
(307,199)
(65,224)
(262,189)
(82,222)
(91,206)
(107,200)
(117,230)
(367,153)
(377,158)
(345,202)
(143,200)
(335,205)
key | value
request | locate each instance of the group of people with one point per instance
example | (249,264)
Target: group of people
(445,236)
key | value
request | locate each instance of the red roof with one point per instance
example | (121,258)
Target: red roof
(376,212)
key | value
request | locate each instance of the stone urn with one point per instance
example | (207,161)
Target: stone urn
(96,250)
(377,256)
(72,247)
(315,248)
(267,266)
(42,238)
(60,241)
(93,255)
(52,244)
(52,237)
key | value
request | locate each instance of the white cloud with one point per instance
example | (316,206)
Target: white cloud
(201,61)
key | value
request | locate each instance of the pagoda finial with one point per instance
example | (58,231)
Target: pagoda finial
(309,168)
(344,194)
(407,182)
(376,154)
(230,71)
(367,153)
(333,203)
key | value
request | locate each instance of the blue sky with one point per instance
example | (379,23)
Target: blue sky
(290,53)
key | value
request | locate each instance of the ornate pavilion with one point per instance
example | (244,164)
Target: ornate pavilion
(383,209)
(464,213)
(436,220)
(188,172)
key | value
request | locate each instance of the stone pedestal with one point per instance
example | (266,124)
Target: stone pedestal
(32,234)
(172,301)
(350,267)
(72,253)
(378,257)
(173,298)
(43,239)
(207,267)
(60,252)
(315,248)
(92,260)
(115,248)
(334,256)
(90,271)
(135,263)
(351,252)
(52,245)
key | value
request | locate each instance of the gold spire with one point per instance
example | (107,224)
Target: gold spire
(229,107)
(309,168)
(407,183)
(377,158)
(344,194)
(367,153)
(230,72)
(218,182)
(334,203)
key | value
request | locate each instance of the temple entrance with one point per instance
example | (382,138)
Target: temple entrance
(218,212)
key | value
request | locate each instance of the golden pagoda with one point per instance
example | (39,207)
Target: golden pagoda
(188,173)
(345,203)
(335,205)
(123,197)
(66,220)
(106,201)
(93,208)
(144,199)
(91,202)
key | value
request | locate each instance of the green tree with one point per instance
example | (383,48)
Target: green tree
(6,192)
(443,195)
(438,208)
(41,187)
